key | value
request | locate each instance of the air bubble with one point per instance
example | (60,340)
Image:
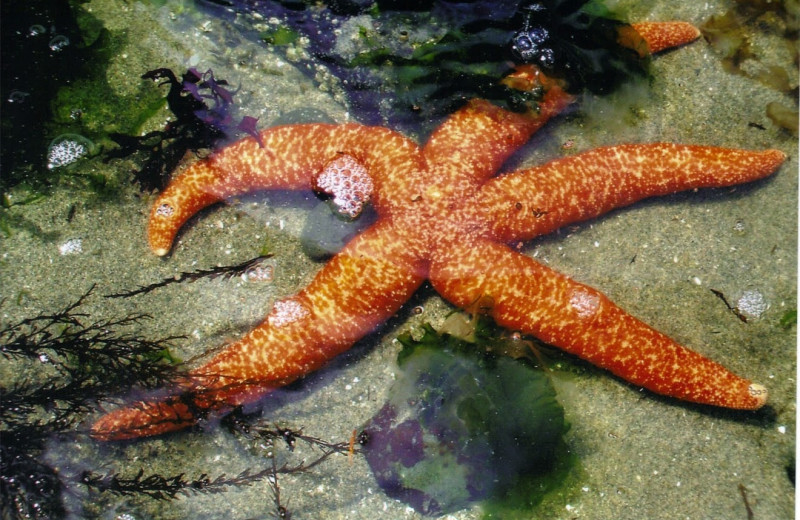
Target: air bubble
(72,246)
(17,96)
(36,29)
(259,273)
(58,43)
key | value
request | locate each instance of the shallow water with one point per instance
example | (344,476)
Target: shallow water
(640,456)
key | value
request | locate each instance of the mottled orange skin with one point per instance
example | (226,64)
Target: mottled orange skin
(442,216)
(660,36)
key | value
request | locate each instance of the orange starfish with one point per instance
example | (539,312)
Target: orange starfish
(442,217)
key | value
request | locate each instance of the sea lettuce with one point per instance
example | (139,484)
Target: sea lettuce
(461,425)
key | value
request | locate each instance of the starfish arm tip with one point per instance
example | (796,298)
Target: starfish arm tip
(166,218)
(759,393)
(159,243)
(662,36)
(142,419)
(767,162)
(778,156)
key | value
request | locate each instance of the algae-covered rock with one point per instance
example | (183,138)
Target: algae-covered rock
(461,426)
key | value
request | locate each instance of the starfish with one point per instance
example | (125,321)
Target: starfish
(443,216)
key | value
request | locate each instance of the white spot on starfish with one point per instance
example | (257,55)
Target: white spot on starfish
(285,312)
(585,303)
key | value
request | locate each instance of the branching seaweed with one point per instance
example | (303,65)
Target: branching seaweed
(97,354)
(78,361)
(226,272)
(167,488)
(72,362)
(272,433)
(272,436)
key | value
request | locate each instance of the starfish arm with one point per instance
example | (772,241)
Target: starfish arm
(578,319)
(357,290)
(528,203)
(661,36)
(475,141)
(289,159)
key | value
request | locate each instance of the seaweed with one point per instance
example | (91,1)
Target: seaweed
(250,267)
(272,437)
(162,487)
(408,64)
(94,359)
(465,422)
(202,106)
(273,433)
(58,105)
(43,48)
(67,363)
(788,319)
(733,308)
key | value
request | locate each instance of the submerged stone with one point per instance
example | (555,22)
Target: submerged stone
(327,230)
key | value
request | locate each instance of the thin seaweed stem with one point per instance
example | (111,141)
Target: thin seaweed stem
(225,272)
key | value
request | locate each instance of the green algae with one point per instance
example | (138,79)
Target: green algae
(788,319)
(279,36)
(71,94)
(463,424)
